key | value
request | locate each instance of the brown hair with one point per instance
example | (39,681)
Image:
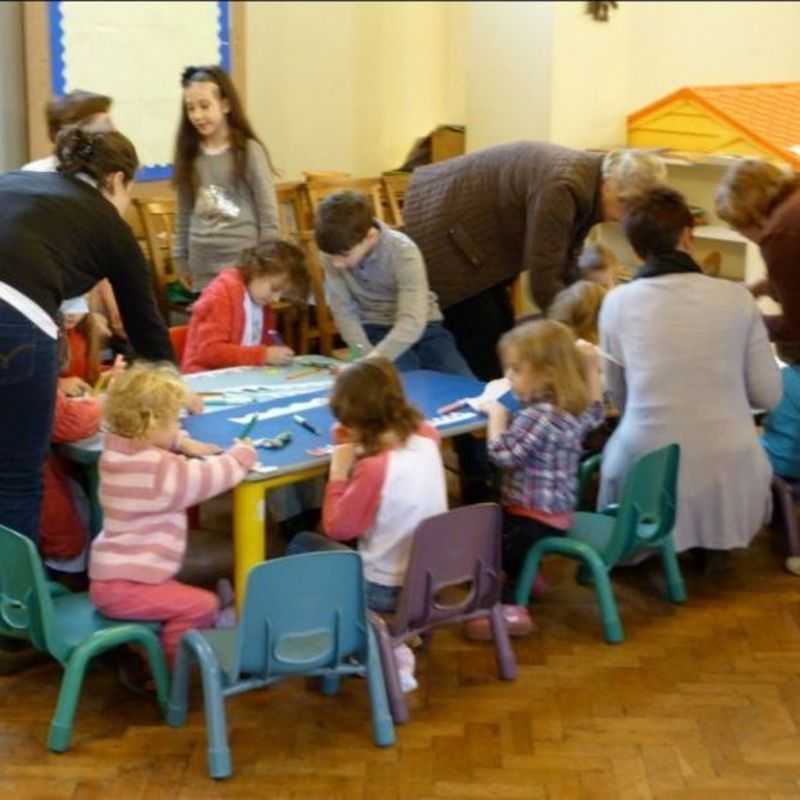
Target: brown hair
(578,307)
(72,109)
(749,191)
(277,257)
(548,348)
(187,140)
(369,398)
(788,352)
(343,220)
(97,154)
(654,221)
(143,397)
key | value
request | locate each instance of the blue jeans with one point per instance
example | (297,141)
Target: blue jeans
(436,350)
(28,378)
(380,598)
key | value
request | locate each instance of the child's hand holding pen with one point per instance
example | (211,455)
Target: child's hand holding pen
(278,354)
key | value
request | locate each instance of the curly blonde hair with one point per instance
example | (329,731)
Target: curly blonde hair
(749,191)
(144,397)
(548,347)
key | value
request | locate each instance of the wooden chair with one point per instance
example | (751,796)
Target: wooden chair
(321,328)
(157,216)
(317,189)
(395,185)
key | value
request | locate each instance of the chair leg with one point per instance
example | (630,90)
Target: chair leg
(612,626)
(68,695)
(382,725)
(504,655)
(219,754)
(330,685)
(783,496)
(528,573)
(179,693)
(397,701)
(676,588)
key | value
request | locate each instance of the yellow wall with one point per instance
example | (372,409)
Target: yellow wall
(350,86)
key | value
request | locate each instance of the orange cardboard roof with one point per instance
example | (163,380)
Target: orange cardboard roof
(767,114)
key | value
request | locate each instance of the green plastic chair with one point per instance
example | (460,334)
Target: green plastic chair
(642,522)
(67,626)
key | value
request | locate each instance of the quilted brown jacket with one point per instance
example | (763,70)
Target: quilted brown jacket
(482,218)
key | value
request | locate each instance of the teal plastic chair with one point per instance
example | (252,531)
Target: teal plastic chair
(67,626)
(643,521)
(302,615)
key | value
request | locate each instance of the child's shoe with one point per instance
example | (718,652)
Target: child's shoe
(404,657)
(518,623)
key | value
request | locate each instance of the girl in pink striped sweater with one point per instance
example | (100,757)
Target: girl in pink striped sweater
(146,485)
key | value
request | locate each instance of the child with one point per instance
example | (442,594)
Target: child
(578,307)
(85,334)
(539,447)
(781,438)
(377,287)
(146,485)
(232,323)
(223,176)
(386,476)
(598,264)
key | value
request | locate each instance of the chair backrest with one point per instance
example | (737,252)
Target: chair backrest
(325,328)
(25,602)
(292,212)
(318,189)
(312,603)
(158,222)
(458,547)
(178,335)
(649,503)
(395,185)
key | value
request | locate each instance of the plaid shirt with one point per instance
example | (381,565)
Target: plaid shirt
(539,453)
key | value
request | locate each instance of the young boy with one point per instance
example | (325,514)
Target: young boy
(378,289)
(781,438)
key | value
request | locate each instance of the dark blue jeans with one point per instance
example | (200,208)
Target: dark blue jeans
(28,376)
(380,598)
(436,350)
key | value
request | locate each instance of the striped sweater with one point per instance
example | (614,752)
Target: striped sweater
(145,491)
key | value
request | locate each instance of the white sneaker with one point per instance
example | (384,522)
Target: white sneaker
(404,656)
(793,565)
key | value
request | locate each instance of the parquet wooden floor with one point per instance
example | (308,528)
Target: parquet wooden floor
(701,702)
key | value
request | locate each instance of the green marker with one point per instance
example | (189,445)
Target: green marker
(249,427)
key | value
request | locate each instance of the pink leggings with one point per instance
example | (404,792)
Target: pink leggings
(178,606)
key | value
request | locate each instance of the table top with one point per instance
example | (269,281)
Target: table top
(427,390)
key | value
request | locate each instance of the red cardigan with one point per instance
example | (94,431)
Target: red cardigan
(217,324)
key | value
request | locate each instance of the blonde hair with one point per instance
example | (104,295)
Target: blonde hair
(578,307)
(144,397)
(548,348)
(596,257)
(749,190)
(632,172)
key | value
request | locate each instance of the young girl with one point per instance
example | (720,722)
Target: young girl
(232,323)
(146,485)
(223,176)
(386,476)
(597,263)
(539,447)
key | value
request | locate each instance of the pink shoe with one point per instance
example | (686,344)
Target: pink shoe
(518,622)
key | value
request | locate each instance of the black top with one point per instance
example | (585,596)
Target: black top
(659,264)
(59,236)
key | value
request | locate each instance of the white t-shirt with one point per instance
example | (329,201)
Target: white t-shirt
(253,321)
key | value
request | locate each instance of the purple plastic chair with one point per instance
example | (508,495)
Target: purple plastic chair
(458,547)
(785,494)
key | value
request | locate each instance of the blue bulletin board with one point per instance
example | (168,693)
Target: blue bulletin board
(135,53)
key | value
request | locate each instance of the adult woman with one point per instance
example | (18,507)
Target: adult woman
(483,218)
(60,233)
(695,359)
(762,203)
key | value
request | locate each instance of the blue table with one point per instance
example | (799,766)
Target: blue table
(427,390)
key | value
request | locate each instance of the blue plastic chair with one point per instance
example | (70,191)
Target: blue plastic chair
(643,521)
(302,615)
(67,626)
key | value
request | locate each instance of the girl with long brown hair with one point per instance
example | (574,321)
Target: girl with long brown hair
(223,176)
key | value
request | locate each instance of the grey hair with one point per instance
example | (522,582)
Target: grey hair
(633,171)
